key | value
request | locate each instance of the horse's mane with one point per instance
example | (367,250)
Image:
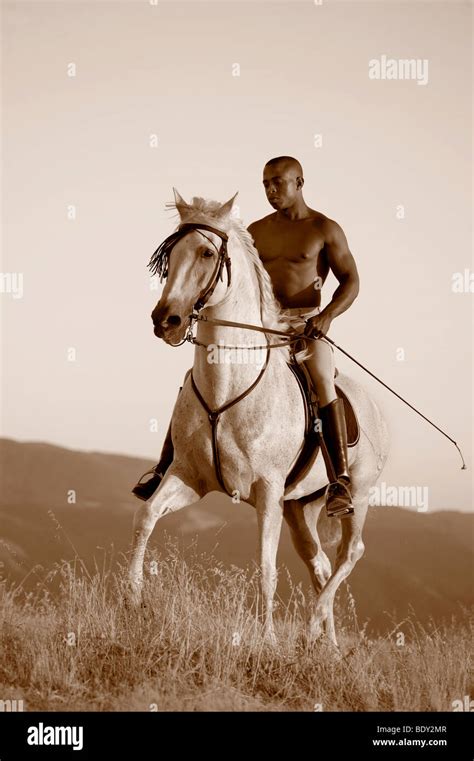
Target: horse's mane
(207,212)
(270,309)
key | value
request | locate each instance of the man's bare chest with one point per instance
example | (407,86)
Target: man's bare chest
(295,247)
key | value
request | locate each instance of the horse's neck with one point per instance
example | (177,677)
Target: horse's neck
(222,374)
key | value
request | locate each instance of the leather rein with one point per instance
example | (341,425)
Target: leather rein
(159,265)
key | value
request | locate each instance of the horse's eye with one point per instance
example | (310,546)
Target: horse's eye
(207,254)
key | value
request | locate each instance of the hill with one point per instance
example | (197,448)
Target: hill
(413,561)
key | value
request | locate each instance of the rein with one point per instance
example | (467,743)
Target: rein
(290,337)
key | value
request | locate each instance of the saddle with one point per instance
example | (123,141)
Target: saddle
(312,439)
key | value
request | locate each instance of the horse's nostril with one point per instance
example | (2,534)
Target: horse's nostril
(174,319)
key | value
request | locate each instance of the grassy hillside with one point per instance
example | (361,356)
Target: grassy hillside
(196,644)
(69,641)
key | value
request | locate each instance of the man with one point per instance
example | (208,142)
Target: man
(298,247)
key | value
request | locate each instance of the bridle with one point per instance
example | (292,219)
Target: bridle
(159,262)
(159,265)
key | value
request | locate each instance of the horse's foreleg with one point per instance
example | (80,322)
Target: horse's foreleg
(349,551)
(269,506)
(172,494)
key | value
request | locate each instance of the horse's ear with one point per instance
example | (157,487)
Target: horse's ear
(226,208)
(180,203)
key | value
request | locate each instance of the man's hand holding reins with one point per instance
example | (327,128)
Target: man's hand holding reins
(318,325)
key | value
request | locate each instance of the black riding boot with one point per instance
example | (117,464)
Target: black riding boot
(338,495)
(147,489)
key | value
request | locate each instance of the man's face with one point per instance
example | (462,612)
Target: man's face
(280,185)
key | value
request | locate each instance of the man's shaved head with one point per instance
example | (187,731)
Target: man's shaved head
(288,163)
(283,181)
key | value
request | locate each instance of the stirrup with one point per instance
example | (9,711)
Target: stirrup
(151,472)
(341,504)
(146,490)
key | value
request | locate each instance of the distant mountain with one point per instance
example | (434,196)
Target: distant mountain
(412,560)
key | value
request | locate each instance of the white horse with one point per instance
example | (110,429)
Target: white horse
(259,438)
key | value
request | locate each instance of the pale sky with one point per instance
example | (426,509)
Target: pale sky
(167,69)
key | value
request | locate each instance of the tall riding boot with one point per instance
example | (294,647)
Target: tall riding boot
(147,489)
(338,495)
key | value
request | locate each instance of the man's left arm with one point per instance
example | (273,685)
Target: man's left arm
(342,264)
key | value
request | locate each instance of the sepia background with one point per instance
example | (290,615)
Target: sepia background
(105,106)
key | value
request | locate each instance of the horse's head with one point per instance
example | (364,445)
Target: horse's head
(195,262)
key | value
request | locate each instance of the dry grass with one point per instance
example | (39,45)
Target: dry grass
(196,645)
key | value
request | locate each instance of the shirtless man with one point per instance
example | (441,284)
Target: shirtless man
(298,247)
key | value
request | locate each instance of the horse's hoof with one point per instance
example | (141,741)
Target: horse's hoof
(270,638)
(133,596)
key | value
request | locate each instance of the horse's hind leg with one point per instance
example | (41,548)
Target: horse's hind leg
(349,551)
(172,494)
(302,521)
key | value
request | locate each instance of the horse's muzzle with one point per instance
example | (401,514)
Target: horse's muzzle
(168,326)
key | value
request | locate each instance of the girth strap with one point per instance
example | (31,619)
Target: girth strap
(214,417)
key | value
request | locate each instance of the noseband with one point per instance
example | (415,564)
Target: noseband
(159,262)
